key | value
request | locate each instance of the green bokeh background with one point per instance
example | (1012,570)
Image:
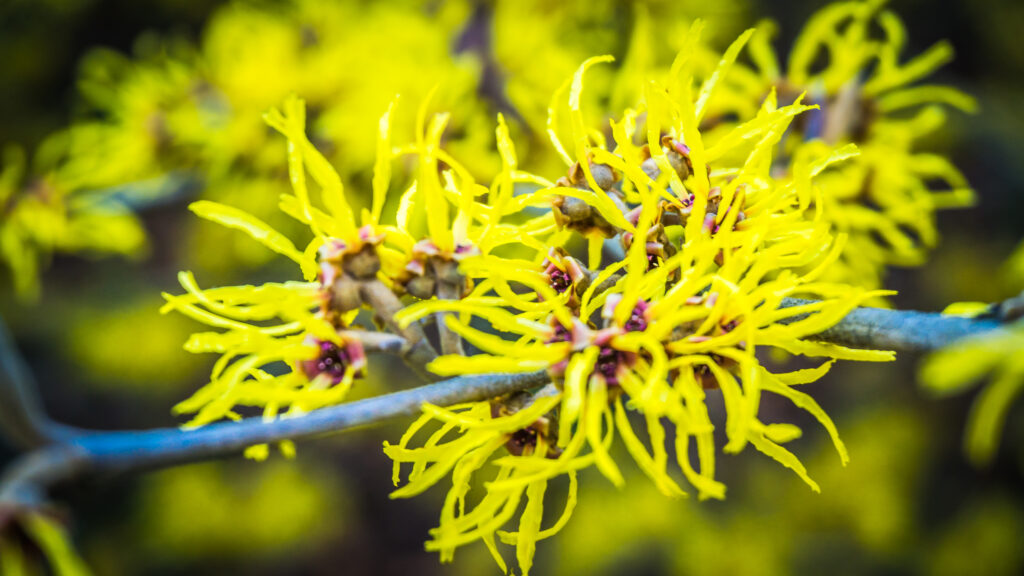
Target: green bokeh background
(908,503)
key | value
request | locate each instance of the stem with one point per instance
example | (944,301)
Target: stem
(842,114)
(22,419)
(451,343)
(377,341)
(419,352)
(145,195)
(73,455)
(899,330)
(140,450)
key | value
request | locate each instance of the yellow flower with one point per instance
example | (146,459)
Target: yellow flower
(302,324)
(524,428)
(449,238)
(885,199)
(657,358)
(682,313)
(306,325)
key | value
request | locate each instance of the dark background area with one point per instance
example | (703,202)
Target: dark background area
(908,503)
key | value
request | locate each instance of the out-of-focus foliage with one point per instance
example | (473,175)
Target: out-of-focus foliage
(882,529)
(984,537)
(177,107)
(134,353)
(205,512)
(900,527)
(538,44)
(30,542)
(996,356)
(174,106)
(1013,271)
(45,211)
(216,513)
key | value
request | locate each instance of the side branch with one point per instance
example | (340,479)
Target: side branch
(113,452)
(82,453)
(899,330)
(22,419)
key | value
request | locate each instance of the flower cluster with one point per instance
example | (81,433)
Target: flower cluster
(710,250)
(175,113)
(175,108)
(691,212)
(309,326)
(688,234)
(885,198)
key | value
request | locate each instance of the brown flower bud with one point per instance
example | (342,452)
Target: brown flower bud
(421,287)
(448,271)
(364,264)
(344,294)
(604,175)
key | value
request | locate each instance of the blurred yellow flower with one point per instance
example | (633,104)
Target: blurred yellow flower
(885,199)
(43,214)
(952,370)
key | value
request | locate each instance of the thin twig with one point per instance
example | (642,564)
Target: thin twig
(377,341)
(899,330)
(114,452)
(22,419)
(29,477)
(451,342)
(150,194)
(384,302)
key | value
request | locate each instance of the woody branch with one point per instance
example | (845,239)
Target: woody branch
(58,453)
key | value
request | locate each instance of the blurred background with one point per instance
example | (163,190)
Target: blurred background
(908,503)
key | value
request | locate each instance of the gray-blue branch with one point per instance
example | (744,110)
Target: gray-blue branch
(23,422)
(112,452)
(71,454)
(899,330)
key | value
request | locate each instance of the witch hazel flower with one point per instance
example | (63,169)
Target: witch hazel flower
(680,317)
(848,62)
